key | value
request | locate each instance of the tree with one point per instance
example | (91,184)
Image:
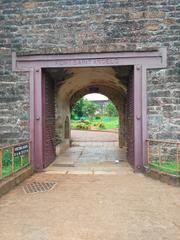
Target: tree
(89,108)
(84,108)
(77,109)
(111,109)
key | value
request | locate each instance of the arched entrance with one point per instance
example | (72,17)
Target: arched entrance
(94,112)
(41,71)
(117,99)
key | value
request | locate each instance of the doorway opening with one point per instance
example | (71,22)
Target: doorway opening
(67,86)
(94,133)
(94,112)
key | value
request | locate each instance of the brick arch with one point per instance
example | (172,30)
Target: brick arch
(76,82)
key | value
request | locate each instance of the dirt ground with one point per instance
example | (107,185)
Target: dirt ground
(96,199)
(127,206)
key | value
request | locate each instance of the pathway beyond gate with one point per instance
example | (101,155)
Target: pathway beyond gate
(95,198)
(94,136)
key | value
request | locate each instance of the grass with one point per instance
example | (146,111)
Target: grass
(107,122)
(111,122)
(19,162)
(168,167)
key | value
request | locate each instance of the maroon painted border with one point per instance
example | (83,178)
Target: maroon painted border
(141,62)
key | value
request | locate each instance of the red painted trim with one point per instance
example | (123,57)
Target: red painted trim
(43,113)
(38,134)
(31,124)
(144,114)
(137,117)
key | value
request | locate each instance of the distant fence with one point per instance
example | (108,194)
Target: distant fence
(13,158)
(164,156)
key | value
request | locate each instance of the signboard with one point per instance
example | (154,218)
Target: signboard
(21,150)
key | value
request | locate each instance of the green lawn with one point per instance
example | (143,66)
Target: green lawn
(104,123)
(111,122)
(19,162)
(168,166)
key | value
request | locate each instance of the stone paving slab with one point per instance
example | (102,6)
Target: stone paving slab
(89,158)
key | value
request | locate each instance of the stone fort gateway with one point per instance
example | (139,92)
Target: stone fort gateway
(54,52)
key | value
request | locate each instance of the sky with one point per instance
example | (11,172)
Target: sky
(95,96)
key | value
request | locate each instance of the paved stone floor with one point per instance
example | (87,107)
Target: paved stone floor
(89,157)
(96,198)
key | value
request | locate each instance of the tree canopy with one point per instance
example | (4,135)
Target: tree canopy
(84,108)
(111,110)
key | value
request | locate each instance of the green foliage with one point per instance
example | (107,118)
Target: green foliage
(93,123)
(101,125)
(84,124)
(89,108)
(166,166)
(111,109)
(97,116)
(6,157)
(77,109)
(87,122)
(84,108)
(87,111)
(19,162)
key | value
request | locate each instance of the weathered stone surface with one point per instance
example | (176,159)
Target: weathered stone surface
(61,26)
(14,108)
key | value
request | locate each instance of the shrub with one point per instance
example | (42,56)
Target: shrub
(101,125)
(81,125)
(87,122)
(6,157)
(97,117)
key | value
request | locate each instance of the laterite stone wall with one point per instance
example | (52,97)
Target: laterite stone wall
(64,26)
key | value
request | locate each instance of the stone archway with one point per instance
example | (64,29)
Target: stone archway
(76,82)
(118,100)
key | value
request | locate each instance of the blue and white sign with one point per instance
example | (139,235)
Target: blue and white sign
(21,150)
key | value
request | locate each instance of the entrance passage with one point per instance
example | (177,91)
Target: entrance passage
(68,85)
(91,152)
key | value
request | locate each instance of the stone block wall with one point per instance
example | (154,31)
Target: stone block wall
(164,104)
(14,108)
(69,26)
